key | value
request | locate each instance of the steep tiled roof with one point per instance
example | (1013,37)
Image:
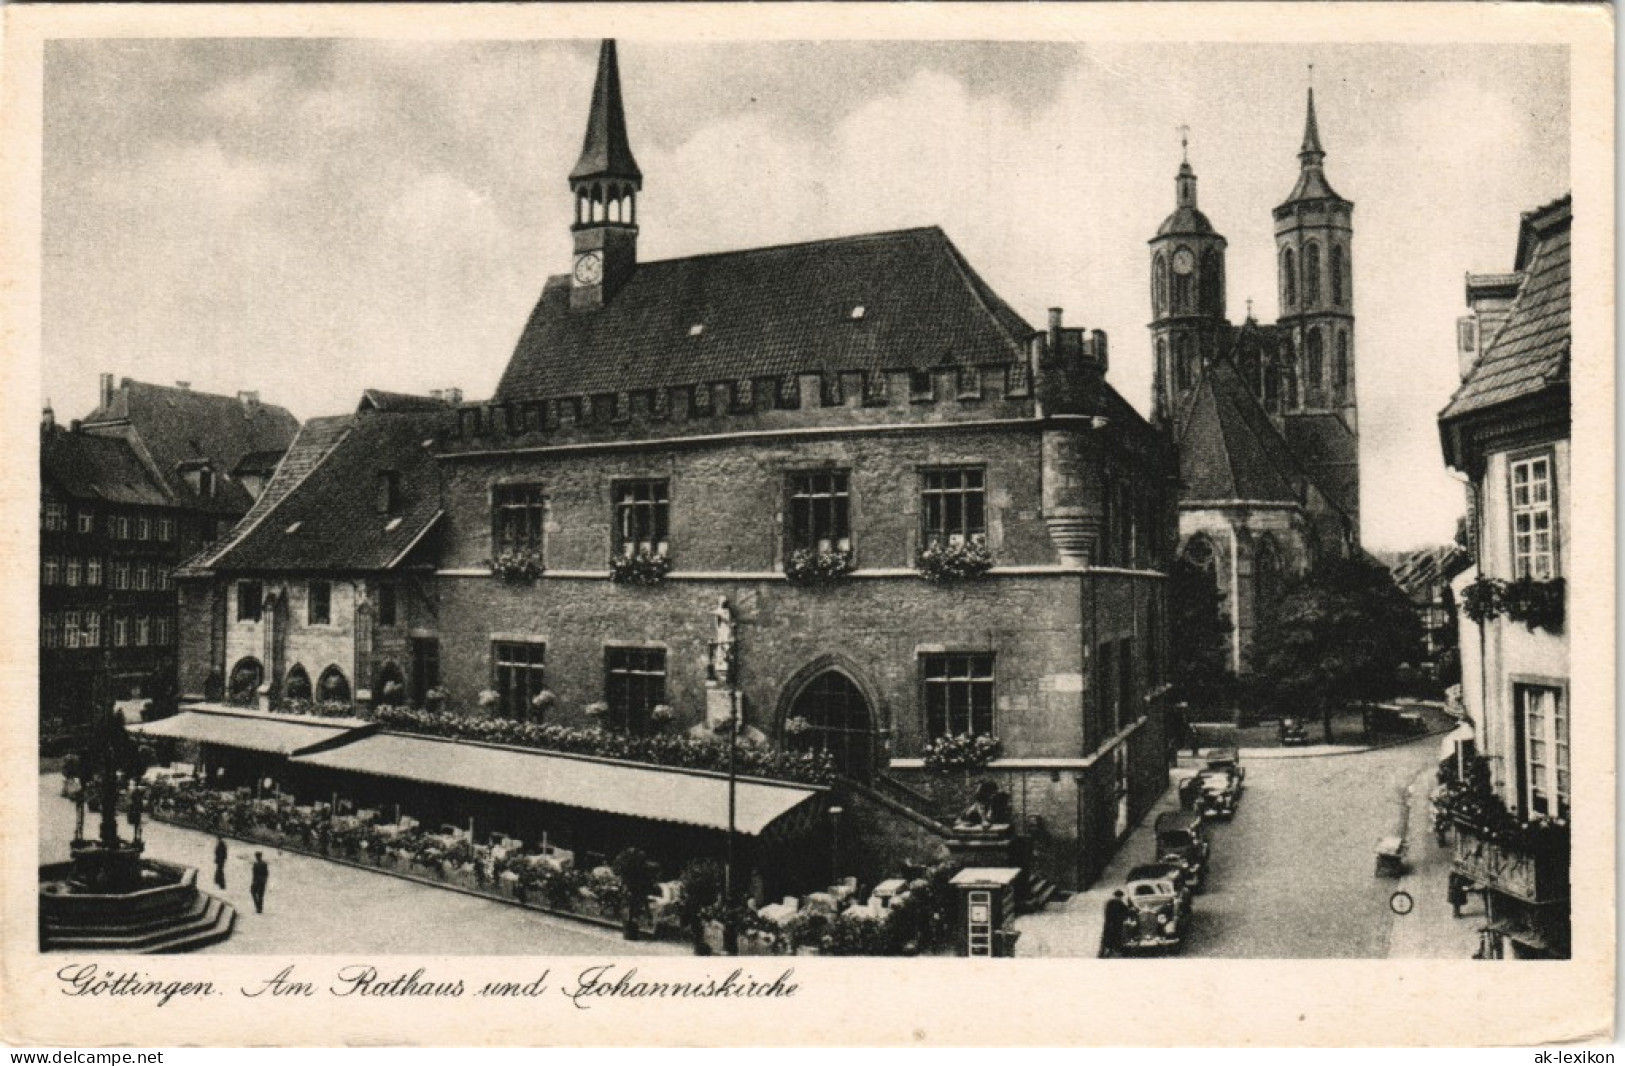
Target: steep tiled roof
(1530,352)
(1229,449)
(323,513)
(769,311)
(86,467)
(379,400)
(1320,440)
(174,425)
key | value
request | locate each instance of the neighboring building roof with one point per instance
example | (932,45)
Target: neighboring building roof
(175,425)
(1229,449)
(379,400)
(87,467)
(769,311)
(1420,571)
(1530,352)
(259,462)
(320,512)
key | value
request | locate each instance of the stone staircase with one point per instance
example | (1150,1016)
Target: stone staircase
(165,920)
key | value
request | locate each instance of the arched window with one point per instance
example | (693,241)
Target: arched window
(831,715)
(1212,283)
(1159,285)
(1163,370)
(1266,577)
(1311,274)
(334,687)
(389,686)
(1184,281)
(242,687)
(296,686)
(1337,274)
(1289,279)
(1315,370)
(1340,369)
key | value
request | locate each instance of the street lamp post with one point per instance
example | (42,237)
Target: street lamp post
(730,931)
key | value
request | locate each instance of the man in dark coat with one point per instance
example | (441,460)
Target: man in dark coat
(256,885)
(1111,934)
(219,862)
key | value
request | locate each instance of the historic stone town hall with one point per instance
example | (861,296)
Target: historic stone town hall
(840,488)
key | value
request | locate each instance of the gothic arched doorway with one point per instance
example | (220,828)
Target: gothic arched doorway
(831,714)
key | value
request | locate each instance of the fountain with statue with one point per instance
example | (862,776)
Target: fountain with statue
(107,896)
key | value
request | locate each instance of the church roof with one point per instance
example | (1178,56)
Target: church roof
(881,301)
(605,151)
(1312,183)
(1185,220)
(1229,449)
(1530,352)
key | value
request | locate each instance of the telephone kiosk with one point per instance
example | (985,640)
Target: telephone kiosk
(986,910)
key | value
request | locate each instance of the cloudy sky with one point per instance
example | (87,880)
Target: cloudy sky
(310,218)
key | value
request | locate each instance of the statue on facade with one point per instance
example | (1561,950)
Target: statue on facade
(722,642)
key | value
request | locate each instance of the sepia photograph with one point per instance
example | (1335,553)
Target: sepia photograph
(662,499)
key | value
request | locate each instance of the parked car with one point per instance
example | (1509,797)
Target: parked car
(1293,731)
(1182,841)
(1167,871)
(1157,920)
(1217,792)
(1228,760)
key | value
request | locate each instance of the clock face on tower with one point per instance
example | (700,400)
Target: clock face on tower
(1184,261)
(589,268)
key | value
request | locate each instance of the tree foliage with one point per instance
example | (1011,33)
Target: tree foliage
(1338,635)
(1201,633)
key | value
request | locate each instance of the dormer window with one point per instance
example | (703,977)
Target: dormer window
(293,528)
(920,387)
(696,329)
(389,491)
(857,312)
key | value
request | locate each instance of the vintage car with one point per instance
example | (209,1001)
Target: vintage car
(1216,794)
(1167,871)
(1293,731)
(1181,840)
(1228,760)
(1157,920)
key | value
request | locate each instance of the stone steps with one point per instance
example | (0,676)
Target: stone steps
(205,920)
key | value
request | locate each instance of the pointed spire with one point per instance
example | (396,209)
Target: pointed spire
(1311,153)
(1185,183)
(606,152)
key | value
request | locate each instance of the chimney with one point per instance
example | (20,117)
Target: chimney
(249,400)
(48,421)
(1055,330)
(1098,348)
(75,426)
(107,390)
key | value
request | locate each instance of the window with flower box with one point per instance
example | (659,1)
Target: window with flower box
(1533,519)
(953,506)
(957,693)
(516,524)
(634,684)
(519,674)
(1543,725)
(820,517)
(642,516)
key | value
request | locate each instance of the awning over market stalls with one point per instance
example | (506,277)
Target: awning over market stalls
(653,793)
(250,730)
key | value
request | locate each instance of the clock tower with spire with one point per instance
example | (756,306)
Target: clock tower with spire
(605,182)
(1187,297)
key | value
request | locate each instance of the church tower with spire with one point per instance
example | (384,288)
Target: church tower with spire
(1187,298)
(605,183)
(1314,258)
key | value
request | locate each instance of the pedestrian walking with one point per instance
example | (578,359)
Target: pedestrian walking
(1457,892)
(1111,934)
(256,885)
(219,862)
